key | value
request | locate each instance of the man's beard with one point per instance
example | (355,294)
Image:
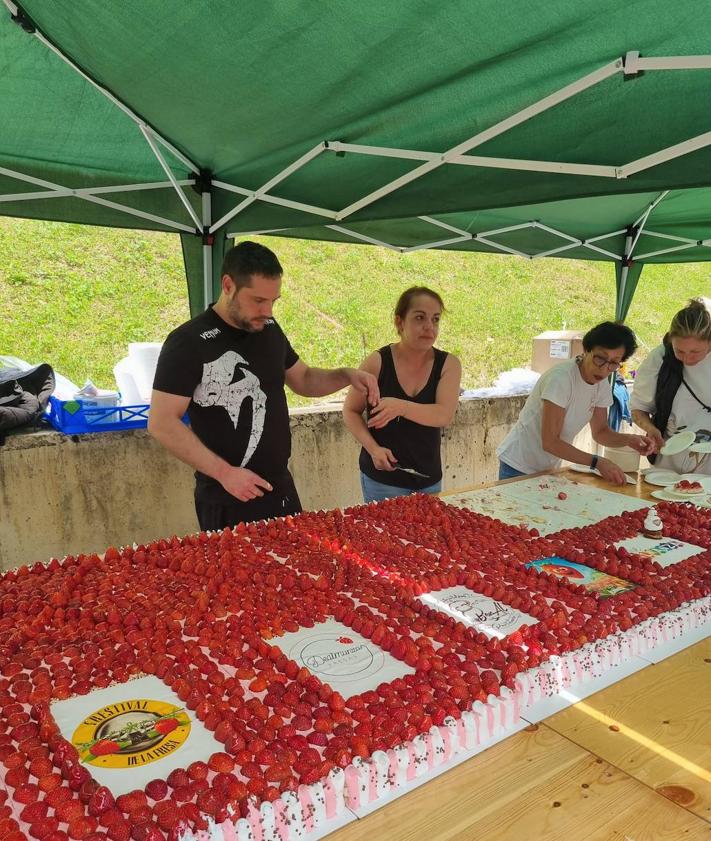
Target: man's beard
(242,323)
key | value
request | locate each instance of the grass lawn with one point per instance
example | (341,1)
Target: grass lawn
(75,296)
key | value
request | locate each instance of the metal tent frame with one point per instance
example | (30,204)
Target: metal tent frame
(201,223)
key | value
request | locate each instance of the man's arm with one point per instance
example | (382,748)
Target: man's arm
(318,382)
(166,426)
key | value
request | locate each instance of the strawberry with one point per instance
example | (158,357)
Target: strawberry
(100,801)
(166,725)
(156,789)
(221,762)
(105,747)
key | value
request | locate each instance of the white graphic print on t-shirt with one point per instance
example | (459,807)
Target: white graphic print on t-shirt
(217,389)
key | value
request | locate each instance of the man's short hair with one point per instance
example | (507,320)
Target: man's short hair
(250,258)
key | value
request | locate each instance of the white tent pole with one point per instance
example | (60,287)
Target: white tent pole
(255,233)
(670,236)
(567,247)
(206,248)
(445,225)
(257,194)
(499,247)
(667,250)
(544,104)
(438,244)
(365,238)
(651,207)
(86,196)
(477,160)
(294,205)
(161,160)
(623,276)
(668,154)
(610,254)
(681,62)
(88,191)
(606,236)
(639,225)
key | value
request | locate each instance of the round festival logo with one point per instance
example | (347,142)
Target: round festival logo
(131,733)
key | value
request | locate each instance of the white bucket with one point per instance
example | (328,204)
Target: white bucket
(143,358)
(130,395)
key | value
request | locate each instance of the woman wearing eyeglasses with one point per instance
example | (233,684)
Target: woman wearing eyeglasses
(672,390)
(564,399)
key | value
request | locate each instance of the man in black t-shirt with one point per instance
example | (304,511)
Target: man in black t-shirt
(227,368)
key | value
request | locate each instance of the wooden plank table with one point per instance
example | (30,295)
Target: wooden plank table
(630,763)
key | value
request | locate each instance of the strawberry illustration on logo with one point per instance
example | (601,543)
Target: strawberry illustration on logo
(105,747)
(166,725)
(345,640)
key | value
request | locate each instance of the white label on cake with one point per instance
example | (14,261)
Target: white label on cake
(132,733)
(495,619)
(346,661)
(664,550)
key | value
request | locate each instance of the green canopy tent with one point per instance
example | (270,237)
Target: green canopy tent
(563,129)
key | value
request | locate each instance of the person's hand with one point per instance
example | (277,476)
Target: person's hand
(386,410)
(364,383)
(243,483)
(611,472)
(650,442)
(383,458)
(643,444)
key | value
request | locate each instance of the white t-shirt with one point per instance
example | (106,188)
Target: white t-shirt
(686,412)
(563,385)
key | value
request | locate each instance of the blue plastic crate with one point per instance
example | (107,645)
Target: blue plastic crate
(72,417)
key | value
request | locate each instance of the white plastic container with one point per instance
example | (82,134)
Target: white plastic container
(103,400)
(143,358)
(130,395)
(624,457)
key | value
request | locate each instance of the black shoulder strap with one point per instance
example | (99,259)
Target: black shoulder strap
(670,377)
(695,395)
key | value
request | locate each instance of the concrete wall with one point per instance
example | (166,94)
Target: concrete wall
(64,495)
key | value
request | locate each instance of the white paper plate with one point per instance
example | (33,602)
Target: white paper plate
(700,500)
(661,477)
(678,443)
(704,478)
(701,447)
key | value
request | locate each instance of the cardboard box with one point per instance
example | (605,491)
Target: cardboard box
(555,346)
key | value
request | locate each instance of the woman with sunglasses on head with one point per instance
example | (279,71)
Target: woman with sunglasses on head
(672,389)
(564,399)
(419,394)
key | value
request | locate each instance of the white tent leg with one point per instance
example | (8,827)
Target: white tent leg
(623,278)
(206,248)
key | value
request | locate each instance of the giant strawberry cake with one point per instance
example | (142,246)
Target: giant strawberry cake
(258,682)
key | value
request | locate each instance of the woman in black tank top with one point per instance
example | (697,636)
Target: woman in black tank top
(419,392)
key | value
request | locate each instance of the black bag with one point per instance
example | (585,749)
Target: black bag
(24,395)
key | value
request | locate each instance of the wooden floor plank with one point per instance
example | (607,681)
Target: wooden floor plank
(655,726)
